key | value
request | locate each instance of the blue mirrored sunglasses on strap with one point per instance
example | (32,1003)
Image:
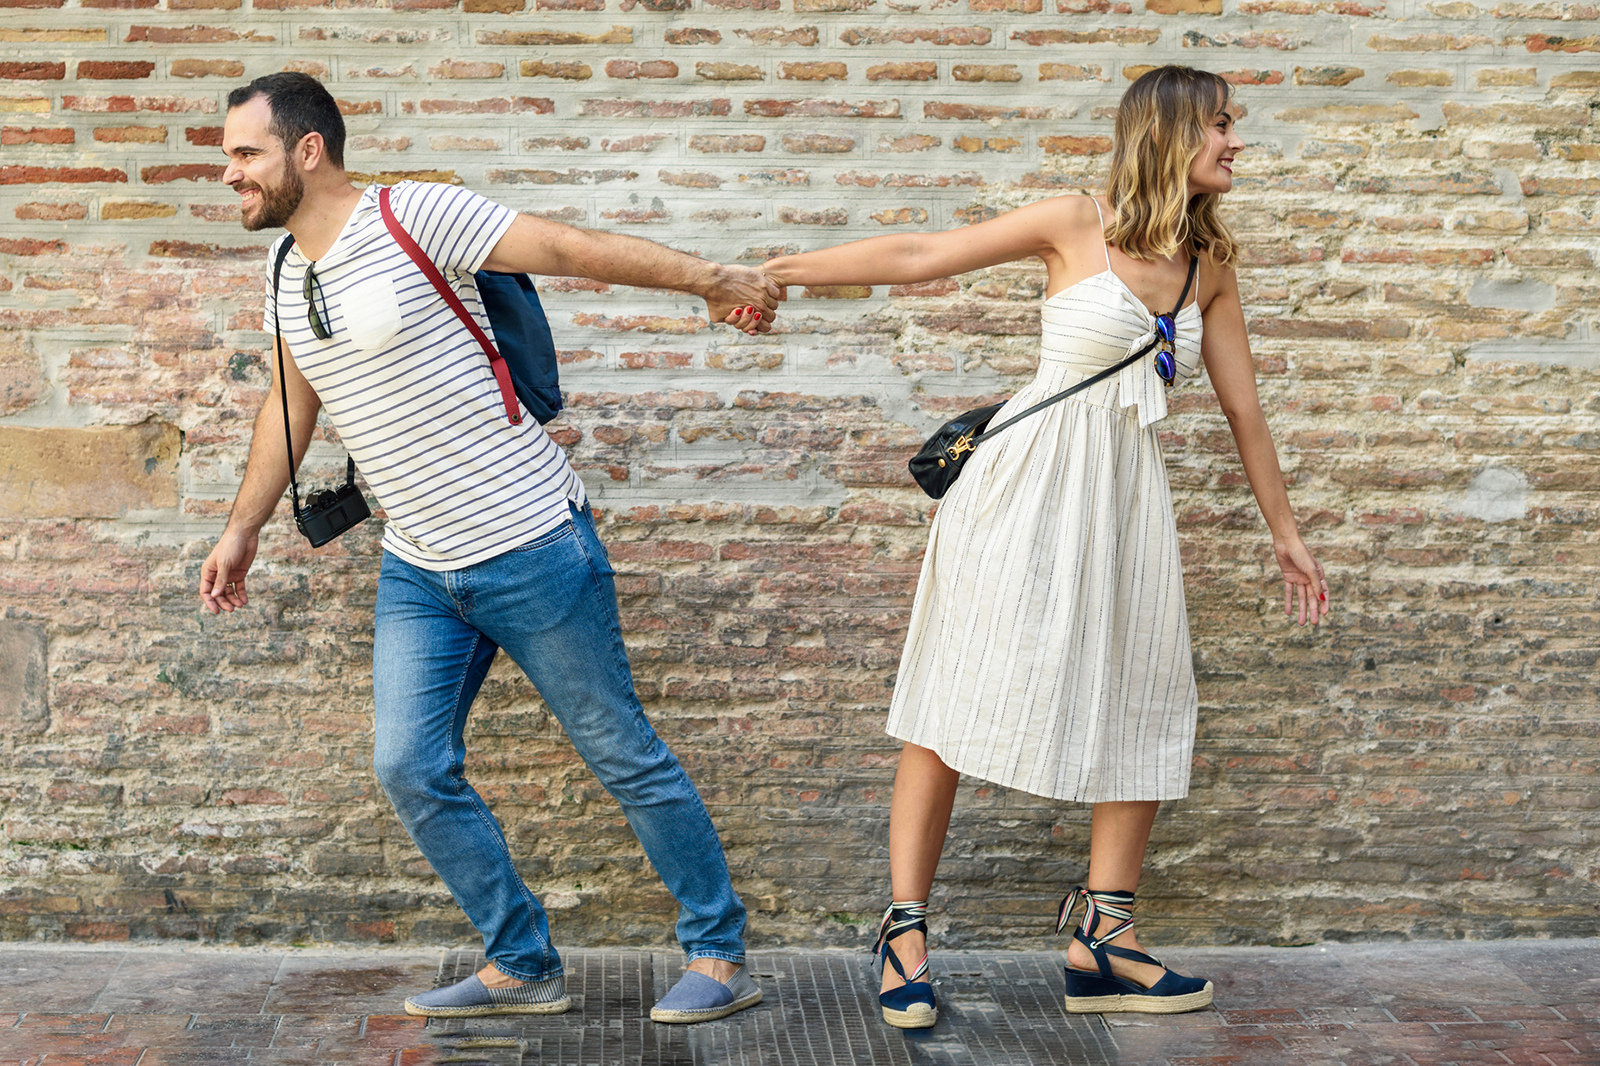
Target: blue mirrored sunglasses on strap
(1166,359)
(1167,331)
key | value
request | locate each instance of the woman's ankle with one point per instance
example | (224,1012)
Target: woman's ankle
(910,948)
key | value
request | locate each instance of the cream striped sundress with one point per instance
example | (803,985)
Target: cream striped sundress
(1049,646)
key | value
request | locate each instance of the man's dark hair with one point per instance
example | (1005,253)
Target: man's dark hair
(300,105)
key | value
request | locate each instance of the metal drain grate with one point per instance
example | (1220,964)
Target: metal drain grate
(817,1010)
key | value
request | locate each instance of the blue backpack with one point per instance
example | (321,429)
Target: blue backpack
(524,364)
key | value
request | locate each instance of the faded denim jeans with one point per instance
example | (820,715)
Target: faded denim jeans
(552,605)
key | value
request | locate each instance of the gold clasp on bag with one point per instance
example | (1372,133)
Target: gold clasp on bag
(962,445)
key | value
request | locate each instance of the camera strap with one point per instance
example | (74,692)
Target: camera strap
(283,390)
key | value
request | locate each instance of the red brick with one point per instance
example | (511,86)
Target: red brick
(768,36)
(19,175)
(1075,145)
(545,38)
(910,71)
(653,108)
(728,72)
(501,105)
(1068,72)
(206,68)
(830,216)
(1123,36)
(1327,75)
(544,68)
(818,142)
(985,112)
(192,35)
(955,35)
(685,35)
(52,212)
(1428,42)
(832,71)
(721,142)
(1251,77)
(640,142)
(163,104)
(917,142)
(650,68)
(35,135)
(131,134)
(114,70)
(33,71)
(823,108)
(985,72)
(1549,42)
(159,175)
(30,246)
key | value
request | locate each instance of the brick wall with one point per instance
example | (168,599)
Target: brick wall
(1418,206)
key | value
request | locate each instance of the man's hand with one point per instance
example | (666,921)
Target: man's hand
(222,576)
(743,298)
(753,319)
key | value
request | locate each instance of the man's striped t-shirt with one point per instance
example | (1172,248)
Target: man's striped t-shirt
(409,390)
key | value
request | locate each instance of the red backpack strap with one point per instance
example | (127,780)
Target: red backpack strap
(502,374)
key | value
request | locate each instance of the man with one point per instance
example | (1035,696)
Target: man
(490,541)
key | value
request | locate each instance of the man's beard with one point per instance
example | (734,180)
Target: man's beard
(279,202)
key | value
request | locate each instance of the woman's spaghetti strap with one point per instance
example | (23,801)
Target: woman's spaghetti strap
(1105,247)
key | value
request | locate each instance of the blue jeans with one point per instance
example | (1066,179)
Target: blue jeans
(552,605)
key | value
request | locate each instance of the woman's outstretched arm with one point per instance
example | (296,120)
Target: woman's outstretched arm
(1226,349)
(1038,229)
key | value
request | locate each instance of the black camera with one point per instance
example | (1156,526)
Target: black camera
(328,513)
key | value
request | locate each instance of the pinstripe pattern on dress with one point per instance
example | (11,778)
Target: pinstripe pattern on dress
(1048,649)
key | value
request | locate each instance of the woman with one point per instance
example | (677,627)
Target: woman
(1048,648)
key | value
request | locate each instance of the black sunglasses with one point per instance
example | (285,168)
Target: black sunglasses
(312,291)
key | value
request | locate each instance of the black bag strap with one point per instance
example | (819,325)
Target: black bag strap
(283,386)
(1188,283)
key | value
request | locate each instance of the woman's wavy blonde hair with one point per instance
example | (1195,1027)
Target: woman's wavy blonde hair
(1162,124)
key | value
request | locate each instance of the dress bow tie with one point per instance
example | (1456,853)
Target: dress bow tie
(1141,384)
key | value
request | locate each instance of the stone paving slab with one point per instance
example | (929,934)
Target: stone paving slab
(1507,1003)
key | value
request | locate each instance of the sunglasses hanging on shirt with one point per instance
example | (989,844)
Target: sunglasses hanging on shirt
(312,291)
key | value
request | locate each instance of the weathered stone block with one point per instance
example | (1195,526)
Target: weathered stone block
(101,472)
(24,697)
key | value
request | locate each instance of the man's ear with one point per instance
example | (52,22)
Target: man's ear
(311,152)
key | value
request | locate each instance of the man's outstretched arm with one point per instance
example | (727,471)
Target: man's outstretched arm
(536,246)
(266,475)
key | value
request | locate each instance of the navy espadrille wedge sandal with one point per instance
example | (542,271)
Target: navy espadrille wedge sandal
(1103,992)
(911,1006)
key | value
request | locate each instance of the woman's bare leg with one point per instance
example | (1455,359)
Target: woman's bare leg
(919,818)
(1118,836)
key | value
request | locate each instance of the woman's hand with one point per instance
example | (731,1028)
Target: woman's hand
(749,319)
(1304,585)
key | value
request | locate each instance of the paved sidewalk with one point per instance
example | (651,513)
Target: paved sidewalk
(1507,1002)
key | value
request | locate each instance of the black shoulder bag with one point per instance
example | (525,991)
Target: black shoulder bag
(331,512)
(937,465)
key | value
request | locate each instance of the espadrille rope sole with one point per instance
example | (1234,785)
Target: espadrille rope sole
(560,1006)
(657,1014)
(916,1016)
(1139,1004)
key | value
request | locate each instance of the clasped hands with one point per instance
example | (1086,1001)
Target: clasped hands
(744,298)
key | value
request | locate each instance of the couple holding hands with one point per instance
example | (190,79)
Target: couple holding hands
(1048,649)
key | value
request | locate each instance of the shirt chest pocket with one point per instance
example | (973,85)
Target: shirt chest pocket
(371,312)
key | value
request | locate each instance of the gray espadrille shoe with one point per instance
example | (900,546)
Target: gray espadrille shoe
(698,998)
(471,998)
